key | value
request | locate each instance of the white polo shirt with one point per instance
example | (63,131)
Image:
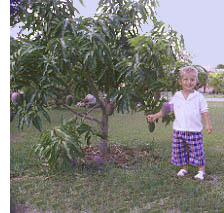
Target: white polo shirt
(188,111)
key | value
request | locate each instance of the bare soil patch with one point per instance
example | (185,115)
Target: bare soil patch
(121,156)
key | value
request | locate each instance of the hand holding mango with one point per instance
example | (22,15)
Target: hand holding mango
(166,109)
(151,124)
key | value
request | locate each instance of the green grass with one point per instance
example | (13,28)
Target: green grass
(220,95)
(150,186)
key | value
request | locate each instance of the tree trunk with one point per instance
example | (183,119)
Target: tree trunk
(104,130)
(205,86)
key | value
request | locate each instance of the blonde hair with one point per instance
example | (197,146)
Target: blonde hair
(188,69)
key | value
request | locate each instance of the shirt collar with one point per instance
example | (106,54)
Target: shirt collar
(180,94)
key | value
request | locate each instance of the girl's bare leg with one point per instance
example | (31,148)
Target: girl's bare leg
(201,168)
(185,167)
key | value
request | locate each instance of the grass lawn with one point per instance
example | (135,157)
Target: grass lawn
(150,186)
(214,95)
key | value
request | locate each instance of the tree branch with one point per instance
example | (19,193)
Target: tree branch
(94,88)
(85,116)
(94,107)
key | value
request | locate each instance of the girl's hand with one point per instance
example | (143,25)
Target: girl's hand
(208,125)
(208,128)
(151,118)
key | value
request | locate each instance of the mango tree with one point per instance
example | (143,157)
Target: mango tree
(216,80)
(105,56)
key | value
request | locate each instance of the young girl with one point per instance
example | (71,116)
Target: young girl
(188,106)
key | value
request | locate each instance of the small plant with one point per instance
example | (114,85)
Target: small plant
(64,142)
(152,147)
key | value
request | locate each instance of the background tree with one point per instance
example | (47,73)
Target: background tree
(220,66)
(104,56)
(216,80)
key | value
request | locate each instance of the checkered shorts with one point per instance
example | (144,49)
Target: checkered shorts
(187,148)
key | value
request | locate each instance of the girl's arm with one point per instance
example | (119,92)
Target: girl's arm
(153,117)
(208,125)
(166,109)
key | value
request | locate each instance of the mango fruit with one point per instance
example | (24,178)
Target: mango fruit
(151,125)
(16,98)
(69,100)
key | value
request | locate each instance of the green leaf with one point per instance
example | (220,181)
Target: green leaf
(37,122)
(135,41)
(63,121)
(21,123)
(81,1)
(44,112)
(28,106)
(67,150)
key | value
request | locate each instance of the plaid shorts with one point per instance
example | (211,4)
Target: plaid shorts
(188,148)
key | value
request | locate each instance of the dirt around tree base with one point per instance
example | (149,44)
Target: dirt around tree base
(120,156)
